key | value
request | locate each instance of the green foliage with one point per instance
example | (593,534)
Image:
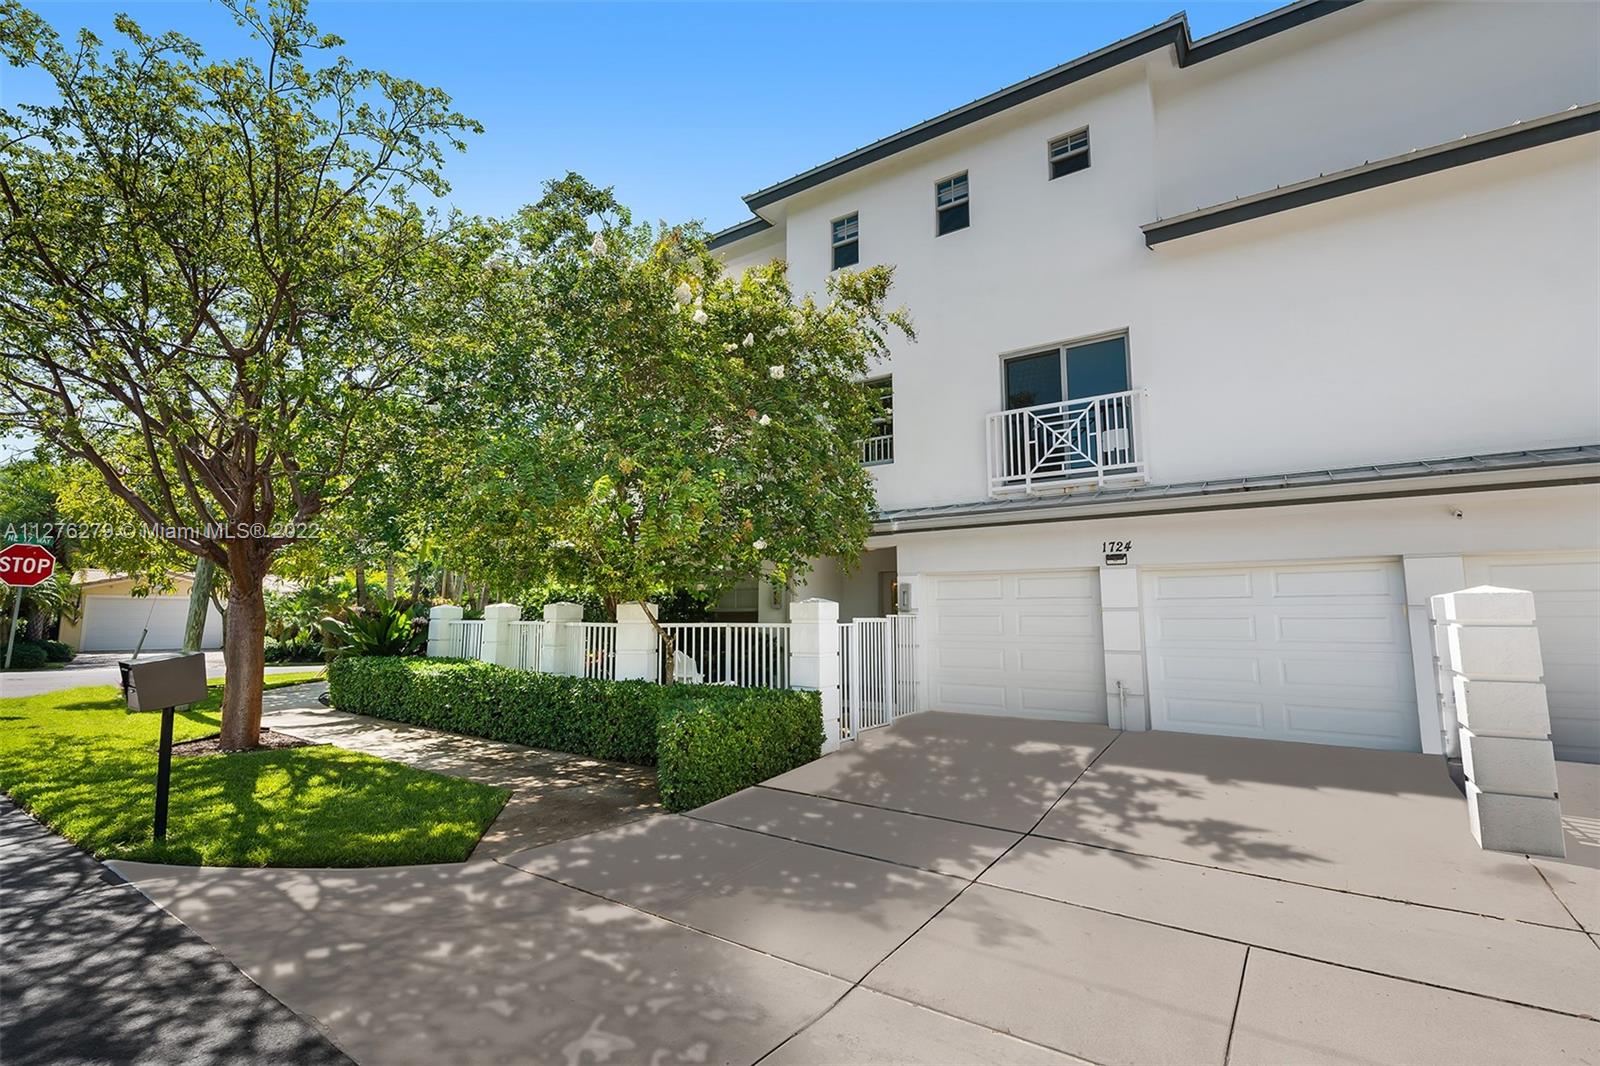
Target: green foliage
(86,766)
(666,426)
(218,291)
(26,655)
(301,650)
(603,719)
(58,652)
(715,740)
(709,740)
(381,627)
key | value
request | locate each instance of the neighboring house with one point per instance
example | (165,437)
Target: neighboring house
(112,618)
(1231,352)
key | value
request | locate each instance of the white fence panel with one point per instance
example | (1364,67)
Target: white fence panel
(747,654)
(599,649)
(877,671)
(466,640)
(528,639)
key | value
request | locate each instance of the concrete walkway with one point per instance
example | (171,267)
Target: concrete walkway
(96,973)
(554,795)
(960,889)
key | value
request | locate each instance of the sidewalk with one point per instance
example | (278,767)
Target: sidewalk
(95,972)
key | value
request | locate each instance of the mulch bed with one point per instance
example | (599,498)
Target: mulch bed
(270,740)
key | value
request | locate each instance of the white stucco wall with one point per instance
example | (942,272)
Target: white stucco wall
(1520,520)
(1445,315)
(1376,80)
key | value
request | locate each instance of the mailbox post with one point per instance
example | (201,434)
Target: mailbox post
(163,683)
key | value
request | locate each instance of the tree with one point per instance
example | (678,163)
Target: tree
(676,428)
(213,286)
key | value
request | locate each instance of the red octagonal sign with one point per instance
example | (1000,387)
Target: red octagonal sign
(26,565)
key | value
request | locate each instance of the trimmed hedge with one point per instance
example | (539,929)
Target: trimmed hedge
(708,740)
(716,740)
(57,652)
(603,719)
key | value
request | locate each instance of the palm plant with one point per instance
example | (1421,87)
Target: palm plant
(382,627)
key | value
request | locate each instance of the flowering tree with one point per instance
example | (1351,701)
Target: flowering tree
(674,428)
(213,289)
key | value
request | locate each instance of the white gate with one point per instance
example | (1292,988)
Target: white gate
(877,671)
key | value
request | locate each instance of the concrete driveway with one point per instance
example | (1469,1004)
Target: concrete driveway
(99,668)
(961,889)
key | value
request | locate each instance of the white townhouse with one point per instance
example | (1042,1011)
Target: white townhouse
(1232,352)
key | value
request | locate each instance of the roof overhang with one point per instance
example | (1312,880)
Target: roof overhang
(1576,121)
(1512,470)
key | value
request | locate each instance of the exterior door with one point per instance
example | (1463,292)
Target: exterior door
(1316,652)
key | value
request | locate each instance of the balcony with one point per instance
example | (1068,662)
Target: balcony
(1055,447)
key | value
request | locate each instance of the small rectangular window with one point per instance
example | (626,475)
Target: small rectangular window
(950,203)
(846,241)
(879,447)
(1069,154)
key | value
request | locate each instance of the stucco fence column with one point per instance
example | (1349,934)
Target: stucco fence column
(638,643)
(1491,649)
(439,619)
(563,639)
(499,645)
(814,660)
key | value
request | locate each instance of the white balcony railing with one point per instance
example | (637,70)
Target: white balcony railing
(876,450)
(1054,446)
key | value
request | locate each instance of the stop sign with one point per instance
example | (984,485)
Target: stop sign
(25,565)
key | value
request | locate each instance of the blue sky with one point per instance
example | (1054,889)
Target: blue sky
(682,107)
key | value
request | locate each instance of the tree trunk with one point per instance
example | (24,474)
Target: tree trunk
(194,628)
(388,577)
(670,670)
(361,582)
(243,654)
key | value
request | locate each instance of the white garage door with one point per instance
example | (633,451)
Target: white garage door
(1024,644)
(113,623)
(1566,602)
(1310,652)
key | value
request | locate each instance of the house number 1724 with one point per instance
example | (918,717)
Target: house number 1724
(1112,547)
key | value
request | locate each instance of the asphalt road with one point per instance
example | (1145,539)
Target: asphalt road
(96,973)
(95,668)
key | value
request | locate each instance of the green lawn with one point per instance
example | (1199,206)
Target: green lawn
(84,764)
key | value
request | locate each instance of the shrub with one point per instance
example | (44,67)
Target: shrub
(25,655)
(709,740)
(299,650)
(57,652)
(603,719)
(715,741)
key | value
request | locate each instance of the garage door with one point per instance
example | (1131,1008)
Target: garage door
(1310,652)
(1024,644)
(113,623)
(1566,602)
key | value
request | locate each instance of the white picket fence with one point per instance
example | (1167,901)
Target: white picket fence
(466,640)
(599,644)
(747,654)
(528,637)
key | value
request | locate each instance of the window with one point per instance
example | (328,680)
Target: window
(950,204)
(1069,154)
(1072,372)
(846,241)
(879,446)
